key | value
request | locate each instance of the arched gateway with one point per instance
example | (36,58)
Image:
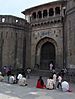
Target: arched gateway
(45,53)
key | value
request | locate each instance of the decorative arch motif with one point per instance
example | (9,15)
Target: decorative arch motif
(43,43)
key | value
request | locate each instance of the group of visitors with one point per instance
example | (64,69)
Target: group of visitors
(20,79)
(14,79)
(54,82)
(51,82)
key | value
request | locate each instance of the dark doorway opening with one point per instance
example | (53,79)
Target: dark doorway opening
(47,55)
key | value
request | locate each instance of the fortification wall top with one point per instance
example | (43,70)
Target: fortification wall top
(9,19)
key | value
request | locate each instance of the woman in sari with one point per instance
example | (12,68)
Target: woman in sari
(40,83)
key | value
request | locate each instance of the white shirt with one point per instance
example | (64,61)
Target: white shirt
(19,76)
(11,79)
(54,78)
(65,86)
(59,79)
(22,81)
(51,66)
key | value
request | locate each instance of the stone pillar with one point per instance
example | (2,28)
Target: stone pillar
(54,11)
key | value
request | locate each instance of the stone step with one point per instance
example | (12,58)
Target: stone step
(44,73)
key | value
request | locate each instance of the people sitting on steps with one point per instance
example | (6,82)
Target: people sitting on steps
(40,83)
(12,79)
(65,86)
(50,83)
(22,81)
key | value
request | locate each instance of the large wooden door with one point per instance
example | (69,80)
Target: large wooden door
(47,55)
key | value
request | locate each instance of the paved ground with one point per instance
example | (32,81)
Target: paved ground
(10,91)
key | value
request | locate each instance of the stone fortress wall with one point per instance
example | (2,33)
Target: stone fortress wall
(13,32)
(21,41)
(69,25)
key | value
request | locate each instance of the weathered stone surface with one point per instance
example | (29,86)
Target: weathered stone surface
(13,31)
(21,41)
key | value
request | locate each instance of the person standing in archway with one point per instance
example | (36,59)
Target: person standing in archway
(51,66)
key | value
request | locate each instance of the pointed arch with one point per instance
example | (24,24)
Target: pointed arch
(46,50)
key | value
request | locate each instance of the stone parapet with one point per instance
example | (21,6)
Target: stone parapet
(13,35)
(12,20)
(49,20)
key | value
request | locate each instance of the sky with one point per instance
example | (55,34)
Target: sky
(15,7)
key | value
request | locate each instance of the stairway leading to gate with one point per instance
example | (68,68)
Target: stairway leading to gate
(44,73)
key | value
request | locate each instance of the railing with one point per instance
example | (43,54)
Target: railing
(58,17)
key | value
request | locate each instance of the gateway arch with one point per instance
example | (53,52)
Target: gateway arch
(46,51)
